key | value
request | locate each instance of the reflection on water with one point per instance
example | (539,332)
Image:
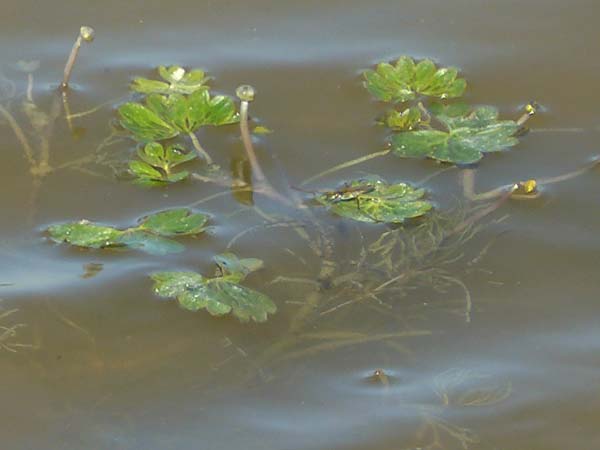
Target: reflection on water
(485,338)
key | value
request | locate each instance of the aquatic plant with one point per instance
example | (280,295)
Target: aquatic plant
(219,295)
(187,107)
(150,236)
(176,81)
(156,164)
(373,200)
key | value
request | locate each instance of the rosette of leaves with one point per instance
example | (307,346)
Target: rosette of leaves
(408,119)
(156,164)
(176,81)
(220,295)
(406,80)
(165,117)
(373,200)
(468,134)
(151,235)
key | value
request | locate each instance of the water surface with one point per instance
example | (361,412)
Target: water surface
(106,364)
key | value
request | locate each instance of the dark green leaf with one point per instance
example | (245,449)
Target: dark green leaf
(467,138)
(153,153)
(405,80)
(145,124)
(219,296)
(144,170)
(176,155)
(373,200)
(175,222)
(204,110)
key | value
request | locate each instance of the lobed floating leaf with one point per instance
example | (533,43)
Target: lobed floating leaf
(229,264)
(150,236)
(220,295)
(85,234)
(406,79)
(145,124)
(157,163)
(164,117)
(175,222)
(467,137)
(177,81)
(373,200)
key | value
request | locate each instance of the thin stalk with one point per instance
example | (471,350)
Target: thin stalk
(196,143)
(345,165)
(30,87)
(246,94)
(85,34)
(19,134)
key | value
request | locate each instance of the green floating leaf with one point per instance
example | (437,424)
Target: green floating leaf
(406,79)
(164,117)
(467,139)
(157,163)
(219,296)
(175,222)
(149,243)
(177,81)
(229,264)
(150,236)
(374,200)
(145,124)
(85,234)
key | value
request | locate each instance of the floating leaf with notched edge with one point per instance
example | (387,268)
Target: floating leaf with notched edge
(174,222)
(177,81)
(373,200)
(232,266)
(467,139)
(219,296)
(157,162)
(145,124)
(85,234)
(150,236)
(406,79)
(164,117)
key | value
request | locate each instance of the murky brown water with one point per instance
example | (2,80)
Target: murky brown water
(104,364)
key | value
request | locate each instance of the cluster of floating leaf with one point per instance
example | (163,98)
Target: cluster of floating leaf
(179,104)
(463,133)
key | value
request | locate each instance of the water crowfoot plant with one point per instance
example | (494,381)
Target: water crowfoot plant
(219,295)
(180,107)
(150,236)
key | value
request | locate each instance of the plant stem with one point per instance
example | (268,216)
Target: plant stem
(30,87)
(71,62)
(345,165)
(247,140)
(85,34)
(199,148)
(19,134)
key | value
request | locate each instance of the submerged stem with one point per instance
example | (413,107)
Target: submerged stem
(203,154)
(85,34)
(345,165)
(19,134)
(246,94)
